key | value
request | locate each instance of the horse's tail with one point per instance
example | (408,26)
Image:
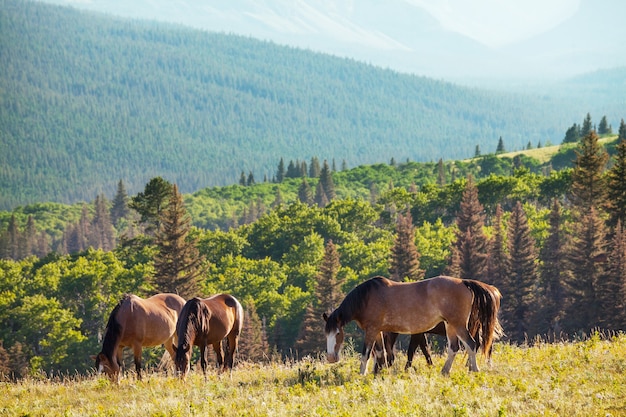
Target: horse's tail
(483,322)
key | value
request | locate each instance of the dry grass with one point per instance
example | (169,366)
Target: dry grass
(566,379)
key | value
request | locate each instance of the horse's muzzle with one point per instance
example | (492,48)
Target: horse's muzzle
(332,357)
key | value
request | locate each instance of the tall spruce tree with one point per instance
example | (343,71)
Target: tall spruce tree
(328,296)
(405,259)
(471,242)
(253,345)
(588,184)
(553,277)
(603,127)
(522,286)
(120,209)
(102,233)
(280,172)
(314,168)
(616,186)
(587,257)
(326,179)
(305,194)
(613,285)
(587,126)
(178,263)
(320,198)
(499,262)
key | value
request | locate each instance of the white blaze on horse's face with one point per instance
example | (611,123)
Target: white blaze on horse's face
(334,340)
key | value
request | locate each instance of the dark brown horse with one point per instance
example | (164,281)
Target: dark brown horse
(136,323)
(205,322)
(380,305)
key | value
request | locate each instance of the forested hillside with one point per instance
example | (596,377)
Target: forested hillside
(87,100)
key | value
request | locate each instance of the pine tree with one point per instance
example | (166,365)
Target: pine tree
(586,127)
(553,275)
(314,168)
(441,173)
(613,285)
(523,276)
(326,179)
(305,195)
(477,152)
(13,239)
(405,259)
(621,134)
(616,186)
(242,179)
(498,262)
(603,127)
(328,296)
(29,237)
(586,258)
(120,209)
(253,345)
(102,234)
(471,241)
(151,203)
(280,172)
(178,263)
(588,185)
(320,199)
(572,135)
(250,180)
(500,147)
(278,198)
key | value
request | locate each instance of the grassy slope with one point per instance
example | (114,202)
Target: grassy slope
(583,378)
(545,153)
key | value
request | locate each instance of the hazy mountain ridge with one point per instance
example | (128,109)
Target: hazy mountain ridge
(399,34)
(88,100)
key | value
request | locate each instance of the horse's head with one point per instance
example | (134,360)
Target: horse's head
(334,336)
(182,359)
(110,367)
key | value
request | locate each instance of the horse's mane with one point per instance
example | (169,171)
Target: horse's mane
(354,302)
(113,329)
(193,319)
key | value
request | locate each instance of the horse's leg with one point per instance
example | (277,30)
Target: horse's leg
(137,356)
(418,340)
(232,348)
(169,346)
(203,361)
(368,344)
(453,348)
(217,347)
(471,346)
(380,352)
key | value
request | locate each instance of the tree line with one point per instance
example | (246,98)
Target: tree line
(552,242)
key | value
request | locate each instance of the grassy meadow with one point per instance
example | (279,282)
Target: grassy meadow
(586,378)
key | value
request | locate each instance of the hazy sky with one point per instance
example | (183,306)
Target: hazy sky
(498,22)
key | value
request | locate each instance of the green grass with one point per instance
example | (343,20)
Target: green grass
(545,153)
(565,379)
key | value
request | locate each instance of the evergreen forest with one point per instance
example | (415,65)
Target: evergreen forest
(87,100)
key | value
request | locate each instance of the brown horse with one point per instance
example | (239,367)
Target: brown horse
(380,305)
(206,322)
(136,323)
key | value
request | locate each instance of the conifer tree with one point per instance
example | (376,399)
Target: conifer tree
(471,241)
(305,194)
(178,263)
(120,209)
(405,259)
(621,134)
(253,345)
(613,285)
(572,135)
(280,172)
(616,186)
(326,179)
(242,179)
(588,185)
(151,202)
(250,181)
(586,127)
(500,147)
(498,262)
(13,238)
(328,296)
(603,127)
(553,276)
(102,233)
(441,173)
(314,168)
(320,198)
(29,237)
(522,276)
(586,256)
(278,198)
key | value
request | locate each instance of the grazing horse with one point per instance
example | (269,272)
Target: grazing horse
(136,322)
(206,322)
(380,305)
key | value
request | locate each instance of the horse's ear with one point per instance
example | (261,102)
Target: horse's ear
(325,316)
(93,357)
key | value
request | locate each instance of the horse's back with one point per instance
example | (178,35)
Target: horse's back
(226,312)
(152,320)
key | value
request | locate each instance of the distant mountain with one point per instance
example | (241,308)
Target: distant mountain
(398,34)
(87,100)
